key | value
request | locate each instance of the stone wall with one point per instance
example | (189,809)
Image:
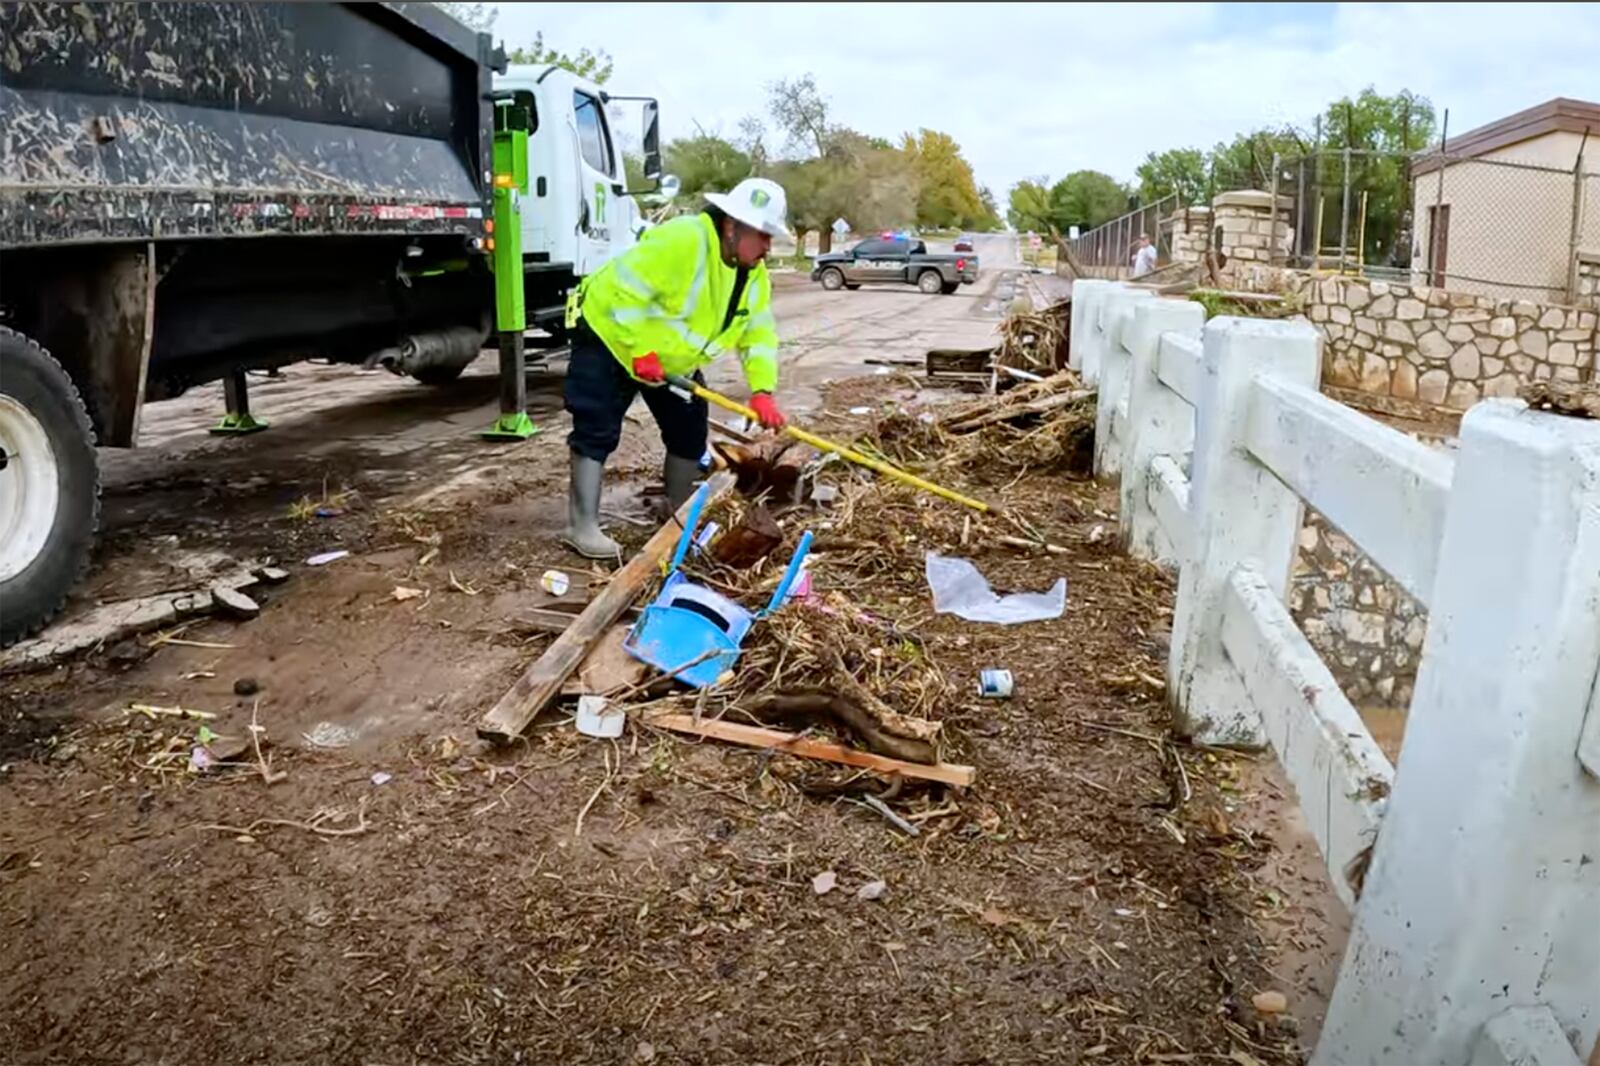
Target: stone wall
(1364,626)
(1435,346)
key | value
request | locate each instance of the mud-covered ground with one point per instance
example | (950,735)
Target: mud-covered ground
(405,894)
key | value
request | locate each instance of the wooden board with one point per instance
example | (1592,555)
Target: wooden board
(608,669)
(752,736)
(540,683)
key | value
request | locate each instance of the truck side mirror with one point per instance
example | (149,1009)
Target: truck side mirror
(652,140)
(671,186)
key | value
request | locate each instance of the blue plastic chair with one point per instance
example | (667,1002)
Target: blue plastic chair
(689,623)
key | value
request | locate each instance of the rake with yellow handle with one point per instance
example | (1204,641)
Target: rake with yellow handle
(685,385)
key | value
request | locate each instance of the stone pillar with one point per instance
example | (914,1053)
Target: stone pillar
(1252,232)
(1484,887)
(1189,227)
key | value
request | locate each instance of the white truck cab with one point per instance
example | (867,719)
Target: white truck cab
(579,211)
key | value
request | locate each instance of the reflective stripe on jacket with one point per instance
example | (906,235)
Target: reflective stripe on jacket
(669,294)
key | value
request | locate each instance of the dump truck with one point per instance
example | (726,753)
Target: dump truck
(189,191)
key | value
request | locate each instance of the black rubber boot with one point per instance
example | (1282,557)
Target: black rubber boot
(679,475)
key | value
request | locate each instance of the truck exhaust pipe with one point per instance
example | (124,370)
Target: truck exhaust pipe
(440,349)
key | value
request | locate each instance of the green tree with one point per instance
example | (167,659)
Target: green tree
(1086,198)
(593,65)
(479,17)
(1246,161)
(1403,122)
(1381,185)
(1180,171)
(814,192)
(802,113)
(949,192)
(991,211)
(596,66)
(871,187)
(1028,205)
(752,141)
(706,163)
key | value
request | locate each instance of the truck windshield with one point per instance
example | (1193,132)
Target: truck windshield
(592,134)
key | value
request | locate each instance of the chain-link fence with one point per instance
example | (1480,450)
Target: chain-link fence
(1487,226)
(1115,243)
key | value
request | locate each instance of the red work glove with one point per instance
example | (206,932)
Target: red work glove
(648,368)
(766,408)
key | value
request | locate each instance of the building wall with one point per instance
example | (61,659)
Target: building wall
(1510,226)
(1558,149)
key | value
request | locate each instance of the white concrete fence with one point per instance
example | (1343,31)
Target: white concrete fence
(1473,871)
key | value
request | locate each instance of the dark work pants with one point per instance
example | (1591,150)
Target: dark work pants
(599,392)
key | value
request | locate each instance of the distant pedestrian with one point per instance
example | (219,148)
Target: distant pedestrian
(1144,260)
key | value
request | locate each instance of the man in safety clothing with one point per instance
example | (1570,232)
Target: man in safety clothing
(690,290)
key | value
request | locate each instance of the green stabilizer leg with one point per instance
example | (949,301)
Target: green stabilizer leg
(238,425)
(511,427)
(513,423)
(238,420)
(511,121)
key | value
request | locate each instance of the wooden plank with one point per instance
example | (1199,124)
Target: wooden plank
(728,431)
(542,681)
(608,668)
(794,744)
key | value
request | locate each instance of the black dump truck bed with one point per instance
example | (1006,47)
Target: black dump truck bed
(147,121)
(192,191)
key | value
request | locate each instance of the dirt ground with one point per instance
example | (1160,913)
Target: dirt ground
(406,894)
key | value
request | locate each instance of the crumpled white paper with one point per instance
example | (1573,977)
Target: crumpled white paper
(960,589)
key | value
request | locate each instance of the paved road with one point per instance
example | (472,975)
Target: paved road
(323,412)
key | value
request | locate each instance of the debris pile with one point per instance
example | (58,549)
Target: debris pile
(845,656)
(1036,341)
(1045,426)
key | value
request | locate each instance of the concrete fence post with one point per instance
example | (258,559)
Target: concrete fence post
(1083,349)
(1116,315)
(1484,889)
(1160,422)
(1238,512)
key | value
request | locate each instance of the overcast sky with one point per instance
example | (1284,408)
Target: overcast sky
(1048,89)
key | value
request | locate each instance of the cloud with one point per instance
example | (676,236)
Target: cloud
(1052,88)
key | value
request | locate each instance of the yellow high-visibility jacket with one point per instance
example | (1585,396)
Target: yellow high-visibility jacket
(669,294)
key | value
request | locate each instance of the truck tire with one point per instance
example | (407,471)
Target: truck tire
(930,282)
(439,375)
(49,486)
(832,279)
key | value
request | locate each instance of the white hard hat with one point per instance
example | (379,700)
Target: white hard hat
(759,203)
